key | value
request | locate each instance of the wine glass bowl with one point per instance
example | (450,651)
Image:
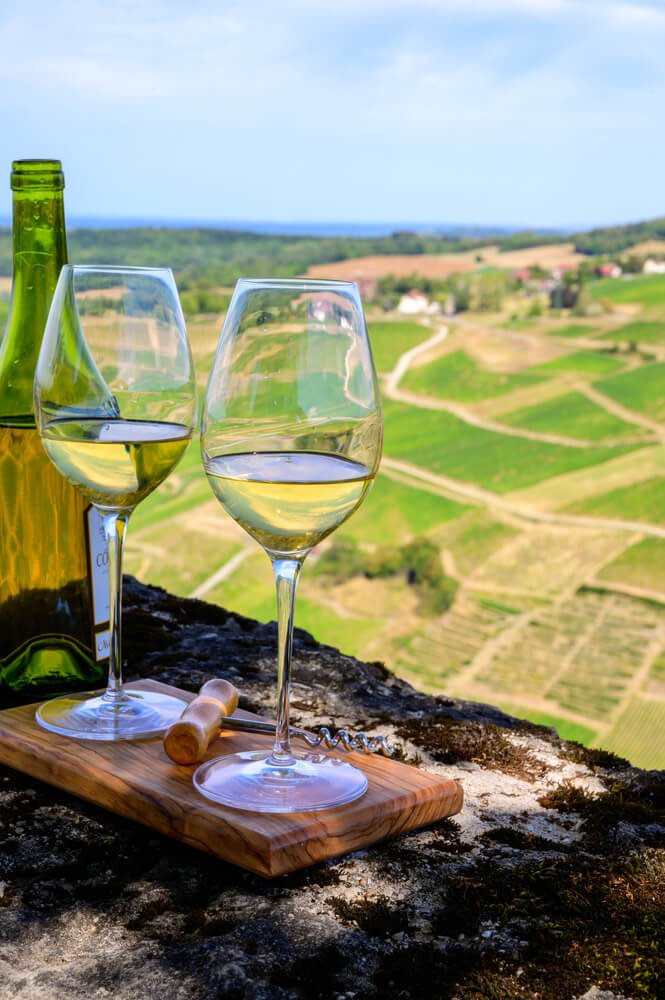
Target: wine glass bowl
(115,404)
(291,441)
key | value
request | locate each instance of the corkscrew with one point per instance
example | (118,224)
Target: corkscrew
(321,735)
(188,739)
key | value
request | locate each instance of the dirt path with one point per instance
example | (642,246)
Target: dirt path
(406,359)
(627,589)
(469,678)
(628,416)
(478,495)
(429,403)
(592,342)
(392,390)
(221,574)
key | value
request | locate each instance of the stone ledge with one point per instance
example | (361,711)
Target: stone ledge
(550,884)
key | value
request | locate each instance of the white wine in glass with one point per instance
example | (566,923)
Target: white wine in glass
(288,502)
(291,442)
(115,403)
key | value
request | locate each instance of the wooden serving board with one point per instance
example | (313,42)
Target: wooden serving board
(137,780)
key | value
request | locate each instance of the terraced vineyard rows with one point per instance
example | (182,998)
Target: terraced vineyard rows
(437,653)
(563,622)
(580,656)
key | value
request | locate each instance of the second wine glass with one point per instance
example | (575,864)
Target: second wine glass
(115,404)
(291,441)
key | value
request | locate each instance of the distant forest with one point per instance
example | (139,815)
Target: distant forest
(221,256)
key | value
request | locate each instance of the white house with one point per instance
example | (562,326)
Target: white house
(653,266)
(416,302)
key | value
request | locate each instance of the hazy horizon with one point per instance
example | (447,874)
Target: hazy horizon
(327,227)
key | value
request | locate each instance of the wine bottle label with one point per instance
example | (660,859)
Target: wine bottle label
(99,580)
(102,645)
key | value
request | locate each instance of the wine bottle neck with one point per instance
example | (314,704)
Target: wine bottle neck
(40,250)
(39,237)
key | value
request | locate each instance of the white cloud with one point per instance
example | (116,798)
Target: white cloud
(636,15)
(257,51)
(308,89)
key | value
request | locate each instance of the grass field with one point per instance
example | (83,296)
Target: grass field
(641,501)
(638,733)
(474,538)
(520,323)
(632,467)
(566,728)
(580,658)
(458,377)
(179,557)
(572,415)
(438,441)
(640,332)
(644,290)
(584,362)
(573,330)
(640,565)
(348,632)
(250,591)
(390,340)
(396,512)
(510,572)
(640,390)
(183,490)
(546,560)
(658,669)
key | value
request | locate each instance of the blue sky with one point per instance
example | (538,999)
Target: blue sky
(534,112)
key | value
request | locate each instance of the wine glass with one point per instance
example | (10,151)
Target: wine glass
(291,441)
(115,404)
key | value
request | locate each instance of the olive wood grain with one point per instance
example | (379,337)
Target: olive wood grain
(138,781)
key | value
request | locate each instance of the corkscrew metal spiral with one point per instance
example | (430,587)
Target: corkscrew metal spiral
(332,740)
(187,740)
(347,740)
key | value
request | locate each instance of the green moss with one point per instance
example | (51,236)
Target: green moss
(564,921)
(376,916)
(450,741)
(623,802)
(594,757)
(521,840)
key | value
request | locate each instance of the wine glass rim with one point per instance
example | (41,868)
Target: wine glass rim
(298,282)
(116,268)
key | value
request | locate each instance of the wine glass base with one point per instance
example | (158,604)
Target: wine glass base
(137,715)
(253,782)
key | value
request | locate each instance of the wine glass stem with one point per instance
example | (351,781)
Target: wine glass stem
(115,526)
(286,573)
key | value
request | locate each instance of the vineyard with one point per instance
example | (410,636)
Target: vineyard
(530,453)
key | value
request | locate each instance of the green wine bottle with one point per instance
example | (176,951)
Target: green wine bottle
(53,577)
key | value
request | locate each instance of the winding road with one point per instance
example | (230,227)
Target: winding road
(419,477)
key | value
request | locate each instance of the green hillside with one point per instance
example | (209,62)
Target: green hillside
(390,340)
(560,621)
(458,377)
(640,390)
(444,444)
(643,290)
(572,415)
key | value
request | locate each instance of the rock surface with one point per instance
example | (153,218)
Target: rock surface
(550,884)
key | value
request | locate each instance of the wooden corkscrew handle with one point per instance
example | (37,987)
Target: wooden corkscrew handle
(188,739)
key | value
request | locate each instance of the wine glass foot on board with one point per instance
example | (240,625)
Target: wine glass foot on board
(255,781)
(133,716)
